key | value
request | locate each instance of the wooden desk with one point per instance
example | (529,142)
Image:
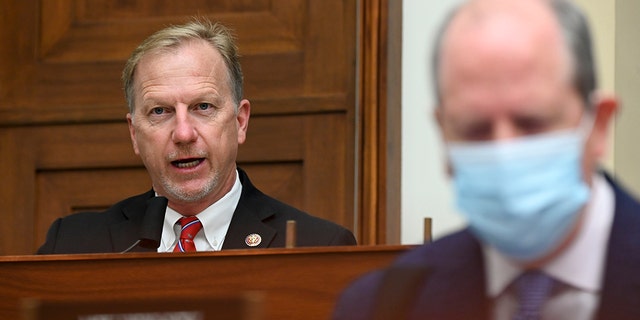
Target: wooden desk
(298,283)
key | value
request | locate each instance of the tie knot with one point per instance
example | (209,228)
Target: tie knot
(187,221)
(534,281)
(190,226)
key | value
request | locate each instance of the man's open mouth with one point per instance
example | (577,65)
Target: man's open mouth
(187,163)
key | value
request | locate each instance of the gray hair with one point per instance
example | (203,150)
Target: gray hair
(576,35)
(217,35)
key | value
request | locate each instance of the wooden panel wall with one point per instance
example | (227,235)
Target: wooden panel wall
(64,146)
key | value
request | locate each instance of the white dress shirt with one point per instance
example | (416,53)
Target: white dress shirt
(215,221)
(579,267)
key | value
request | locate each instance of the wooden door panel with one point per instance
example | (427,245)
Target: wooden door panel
(63,192)
(282,180)
(67,67)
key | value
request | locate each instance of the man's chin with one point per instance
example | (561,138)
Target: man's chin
(188,195)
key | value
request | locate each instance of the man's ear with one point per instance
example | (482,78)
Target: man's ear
(605,108)
(132,133)
(244,112)
(437,115)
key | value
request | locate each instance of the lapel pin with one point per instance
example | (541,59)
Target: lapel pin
(253,240)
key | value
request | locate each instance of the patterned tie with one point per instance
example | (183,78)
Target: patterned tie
(190,227)
(533,288)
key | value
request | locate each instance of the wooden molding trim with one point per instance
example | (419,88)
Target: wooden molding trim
(380,113)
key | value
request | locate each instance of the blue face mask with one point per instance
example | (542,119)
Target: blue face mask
(521,196)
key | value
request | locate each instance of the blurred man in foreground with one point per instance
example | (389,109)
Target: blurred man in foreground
(550,236)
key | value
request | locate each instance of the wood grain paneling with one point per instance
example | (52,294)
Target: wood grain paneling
(62,192)
(66,56)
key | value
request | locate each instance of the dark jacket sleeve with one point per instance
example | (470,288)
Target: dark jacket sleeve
(85,232)
(50,243)
(343,237)
(357,301)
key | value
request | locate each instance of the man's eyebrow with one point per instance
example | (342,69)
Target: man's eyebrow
(468,120)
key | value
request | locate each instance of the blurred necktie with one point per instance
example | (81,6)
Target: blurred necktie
(532,290)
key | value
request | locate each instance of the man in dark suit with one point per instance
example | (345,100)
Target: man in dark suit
(550,236)
(186,118)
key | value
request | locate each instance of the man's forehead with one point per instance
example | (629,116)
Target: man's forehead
(480,9)
(193,47)
(502,46)
(192,58)
(498,18)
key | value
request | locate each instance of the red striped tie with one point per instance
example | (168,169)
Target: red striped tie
(190,227)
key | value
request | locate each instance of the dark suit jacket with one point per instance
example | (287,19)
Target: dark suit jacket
(118,227)
(453,285)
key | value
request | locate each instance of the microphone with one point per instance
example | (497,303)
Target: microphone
(151,229)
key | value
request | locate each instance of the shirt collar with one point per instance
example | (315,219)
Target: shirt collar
(215,219)
(581,264)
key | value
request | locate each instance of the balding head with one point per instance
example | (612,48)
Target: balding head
(505,70)
(503,21)
(501,41)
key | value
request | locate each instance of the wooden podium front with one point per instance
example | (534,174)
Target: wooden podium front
(298,283)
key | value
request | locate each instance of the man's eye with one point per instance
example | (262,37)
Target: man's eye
(157,110)
(532,125)
(203,106)
(477,132)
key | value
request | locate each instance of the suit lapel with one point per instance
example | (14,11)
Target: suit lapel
(247,221)
(247,229)
(125,230)
(457,286)
(454,285)
(621,284)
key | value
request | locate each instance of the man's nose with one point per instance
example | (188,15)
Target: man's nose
(504,130)
(185,129)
